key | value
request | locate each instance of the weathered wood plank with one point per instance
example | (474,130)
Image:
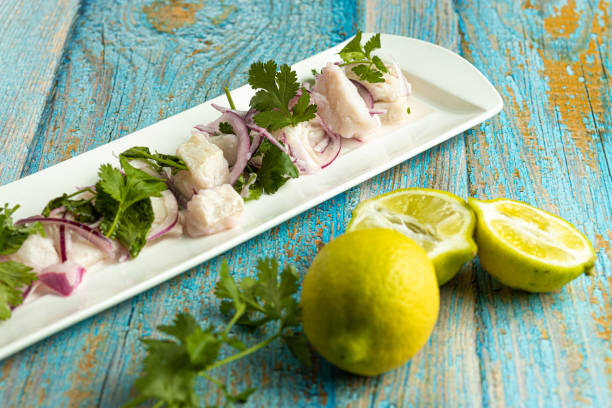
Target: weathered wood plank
(128,66)
(32,38)
(549,148)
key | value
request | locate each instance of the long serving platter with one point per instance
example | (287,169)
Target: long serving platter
(449,96)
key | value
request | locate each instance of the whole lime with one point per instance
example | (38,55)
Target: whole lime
(370,300)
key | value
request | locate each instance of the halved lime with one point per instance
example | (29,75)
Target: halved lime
(440,222)
(527,248)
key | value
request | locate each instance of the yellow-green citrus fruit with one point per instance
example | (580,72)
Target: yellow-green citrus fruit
(527,248)
(370,300)
(440,222)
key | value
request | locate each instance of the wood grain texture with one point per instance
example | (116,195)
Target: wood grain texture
(128,64)
(548,147)
(32,40)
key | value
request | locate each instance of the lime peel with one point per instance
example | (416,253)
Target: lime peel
(527,248)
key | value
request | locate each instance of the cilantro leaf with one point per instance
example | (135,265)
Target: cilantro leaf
(276,89)
(366,66)
(158,160)
(249,180)
(123,200)
(276,168)
(13,236)
(226,128)
(266,296)
(172,365)
(82,209)
(303,109)
(134,227)
(298,345)
(14,277)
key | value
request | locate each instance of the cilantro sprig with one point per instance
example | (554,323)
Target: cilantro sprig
(157,160)
(14,276)
(367,67)
(276,88)
(172,365)
(276,168)
(12,236)
(82,209)
(123,199)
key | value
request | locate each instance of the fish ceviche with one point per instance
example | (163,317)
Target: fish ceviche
(290,129)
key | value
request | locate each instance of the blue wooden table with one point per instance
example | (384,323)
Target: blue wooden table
(78,74)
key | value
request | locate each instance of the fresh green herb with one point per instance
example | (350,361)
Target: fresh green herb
(171,366)
(367,67)
(275,91)
(157,160)
(226,128)
(228,95)
(14,277)
(82,209)
(315,72)
(249,180)
(276,168)
(408,110)
(12,236)
(123,200)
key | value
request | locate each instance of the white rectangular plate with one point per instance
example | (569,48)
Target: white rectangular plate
(450,96)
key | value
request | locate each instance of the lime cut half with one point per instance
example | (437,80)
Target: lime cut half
(527,248)
(440,222)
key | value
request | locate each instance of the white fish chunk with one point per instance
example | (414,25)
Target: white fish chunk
(394,112)
(162,207)
(340,106)
(228,145)
(302,140)
(37,252)
(206,164)
(79,250)
(395,85)
(213,210)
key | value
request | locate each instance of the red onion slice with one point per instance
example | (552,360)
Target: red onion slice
(255,142)
(63,278)
(243,150)
(171,218)
(264,132)
(365,94)
(62,243)
(223,109)
(332,149)
(94,236)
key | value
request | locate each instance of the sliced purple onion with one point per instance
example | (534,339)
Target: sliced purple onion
(223,109)
(62,243)
(94,236)
(170,220)
(377,111)
(264,132)
(243,150)
(255,142)
(365,94)
(62,278)
(332,149)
